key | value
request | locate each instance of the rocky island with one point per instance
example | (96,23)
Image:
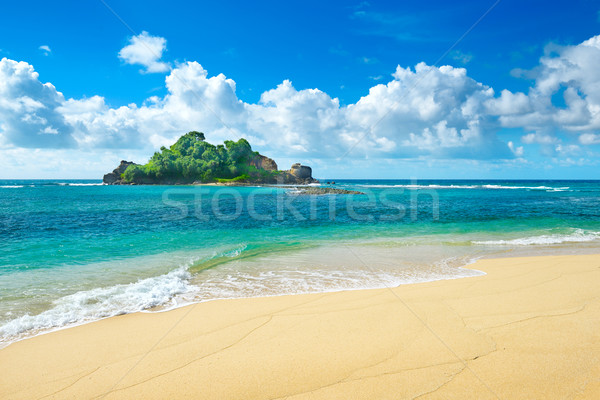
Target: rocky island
(192,160)
(323,190)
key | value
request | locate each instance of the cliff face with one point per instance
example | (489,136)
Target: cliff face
(114,178)
(266,163)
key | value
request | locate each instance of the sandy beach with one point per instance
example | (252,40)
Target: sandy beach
(528,329)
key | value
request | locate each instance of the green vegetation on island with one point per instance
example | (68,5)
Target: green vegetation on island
(193,160)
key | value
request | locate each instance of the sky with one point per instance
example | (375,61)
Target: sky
(365,89)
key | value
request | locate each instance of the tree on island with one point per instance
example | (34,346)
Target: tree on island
(192,159)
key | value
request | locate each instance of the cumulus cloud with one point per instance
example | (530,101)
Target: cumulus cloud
(146,50)
(304,121)
(570,72)
(570,149)
(539,138)
(589,138)
(422,111)
(425,112)
(429,111)
(30,113)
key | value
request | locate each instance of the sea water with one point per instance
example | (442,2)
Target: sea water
(77,251)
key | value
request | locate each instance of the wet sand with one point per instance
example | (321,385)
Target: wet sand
(528,329)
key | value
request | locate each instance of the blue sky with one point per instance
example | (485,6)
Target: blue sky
(106,107)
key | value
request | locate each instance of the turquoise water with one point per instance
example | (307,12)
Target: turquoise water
(76,251)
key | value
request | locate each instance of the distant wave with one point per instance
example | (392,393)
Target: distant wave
(423,186)
(494,187)
(547,188)
(78,184)
(41,184)
(94,304)
(579,235)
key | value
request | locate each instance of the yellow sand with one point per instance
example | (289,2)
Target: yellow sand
(529,329)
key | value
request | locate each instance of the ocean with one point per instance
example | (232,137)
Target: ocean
(75,251)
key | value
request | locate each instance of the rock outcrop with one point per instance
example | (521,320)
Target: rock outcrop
(297,175)
(192,160)
(301,171)
(114,178)
(325,190)
(266,163)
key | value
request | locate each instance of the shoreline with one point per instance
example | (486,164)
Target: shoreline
(466,265)
(528,328)
(163,308)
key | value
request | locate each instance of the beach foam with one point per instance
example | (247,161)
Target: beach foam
(179,287)
(579,235)
(528,328)
(247,279)
(91,305)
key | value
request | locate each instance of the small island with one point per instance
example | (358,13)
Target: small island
(192,160)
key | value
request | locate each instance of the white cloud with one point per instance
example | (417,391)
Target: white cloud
(146,50)
(45,49)
(425,112)
(463,58)
(570,149)
(539,138)
(508,104)
(305,122)
(429,110)
(30,110)
(589,138)
(19,163)
(517,151)
(572,70)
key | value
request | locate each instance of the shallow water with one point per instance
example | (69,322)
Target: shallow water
(76,251)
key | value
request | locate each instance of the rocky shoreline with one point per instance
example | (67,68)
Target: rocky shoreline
(323,190)
(298,174)
(193,160)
